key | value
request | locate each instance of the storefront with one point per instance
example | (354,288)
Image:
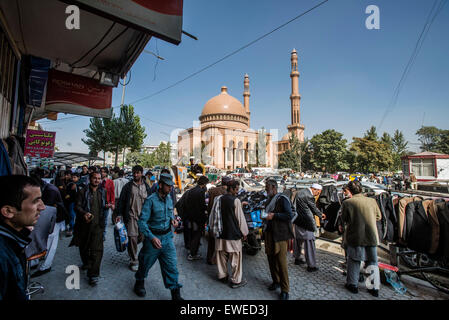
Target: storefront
(47,68)
(427,166)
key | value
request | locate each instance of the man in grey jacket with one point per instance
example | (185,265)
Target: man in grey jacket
(359,214)
(305,226)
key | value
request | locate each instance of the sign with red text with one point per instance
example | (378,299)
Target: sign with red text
(70,93)
(40,143)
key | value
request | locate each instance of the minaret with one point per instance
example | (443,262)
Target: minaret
(295,97)
(246,96)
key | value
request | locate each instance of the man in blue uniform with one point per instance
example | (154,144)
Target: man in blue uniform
(155,224)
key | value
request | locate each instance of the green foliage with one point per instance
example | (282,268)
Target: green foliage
(386,138)
(371,134)
(291,158)
(370,156)
(399,148)
(116,133)
(160,156)
(433,139)
(329,151)
(444,143)
(96,136)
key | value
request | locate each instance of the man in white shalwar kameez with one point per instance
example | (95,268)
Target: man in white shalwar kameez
(228,245)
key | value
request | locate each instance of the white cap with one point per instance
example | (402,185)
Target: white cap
(317,186)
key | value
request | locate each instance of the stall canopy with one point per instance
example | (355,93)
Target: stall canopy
(71,158)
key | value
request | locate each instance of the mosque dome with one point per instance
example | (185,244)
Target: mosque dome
(224,107)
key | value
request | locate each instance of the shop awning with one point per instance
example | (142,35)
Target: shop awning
(71,158)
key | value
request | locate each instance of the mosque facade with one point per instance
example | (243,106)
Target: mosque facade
(223,138)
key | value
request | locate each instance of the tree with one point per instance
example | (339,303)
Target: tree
(371,134)
(138,158)
(386,138)
(370,156)
(444,141)
(162,155)
(96,137)
(116,133)
(329,151)
(291,158)
(399,147)
(430,138)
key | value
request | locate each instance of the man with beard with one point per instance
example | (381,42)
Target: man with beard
(277,231)
(108,185)
(213,193)
(20,206)
(132,197)
(90,210)
(228,245)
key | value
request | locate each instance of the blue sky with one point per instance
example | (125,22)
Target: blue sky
(347,73)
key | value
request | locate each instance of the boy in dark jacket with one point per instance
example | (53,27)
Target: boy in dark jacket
(20,206)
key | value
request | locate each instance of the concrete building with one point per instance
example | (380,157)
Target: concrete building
(427,166)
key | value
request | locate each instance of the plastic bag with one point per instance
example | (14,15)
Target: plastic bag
(393,279)
(120,236)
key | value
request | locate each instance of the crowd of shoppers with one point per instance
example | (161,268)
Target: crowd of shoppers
(82,203)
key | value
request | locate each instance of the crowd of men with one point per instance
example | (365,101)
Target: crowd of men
(34,212)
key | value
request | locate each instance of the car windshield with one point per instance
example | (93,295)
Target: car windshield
(252,183)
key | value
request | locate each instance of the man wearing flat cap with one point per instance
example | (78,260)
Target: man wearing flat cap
(155,224)
(305,226)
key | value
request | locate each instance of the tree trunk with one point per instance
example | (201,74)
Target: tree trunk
(124,156)
(104,158)
(116,156)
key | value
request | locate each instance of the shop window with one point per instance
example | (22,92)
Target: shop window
(423,167)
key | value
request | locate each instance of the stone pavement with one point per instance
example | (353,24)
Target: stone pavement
(199,279)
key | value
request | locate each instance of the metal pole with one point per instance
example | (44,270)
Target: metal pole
(123,92)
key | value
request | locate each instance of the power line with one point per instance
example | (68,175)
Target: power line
(104,48)
(230,54)
(94,47)
(216,62)
(430,19)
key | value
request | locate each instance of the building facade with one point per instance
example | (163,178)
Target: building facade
(223,137)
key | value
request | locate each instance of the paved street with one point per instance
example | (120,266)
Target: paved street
(199,279)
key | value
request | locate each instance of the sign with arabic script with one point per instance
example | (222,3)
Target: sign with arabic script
(40,143)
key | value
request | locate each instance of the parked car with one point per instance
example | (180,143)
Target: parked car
(275,177)
(251,185)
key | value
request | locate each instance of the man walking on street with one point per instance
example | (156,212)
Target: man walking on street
(213,193)
(132,197)
(359,214)
(20,206)
(51,197)
(155,224)
(305,226)
(228,245)
(90,210)
(277,231)
(108,185)
(195,214)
